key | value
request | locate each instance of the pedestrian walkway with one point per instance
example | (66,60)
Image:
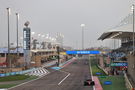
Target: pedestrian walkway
(41,71)
(38,72)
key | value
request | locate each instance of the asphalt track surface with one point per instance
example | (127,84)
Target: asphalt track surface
(70,77)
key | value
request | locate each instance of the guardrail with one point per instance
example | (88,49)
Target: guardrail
(127,82)
(70,59)
(15,73)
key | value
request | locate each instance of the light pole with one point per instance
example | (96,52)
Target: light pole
(82,26)
(133,33)
(8,14)
(133,28)
(17,19)
(39,37)
(32,35)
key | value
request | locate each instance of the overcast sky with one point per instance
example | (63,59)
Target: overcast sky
(65,16)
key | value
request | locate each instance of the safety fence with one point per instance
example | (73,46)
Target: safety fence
(16,73)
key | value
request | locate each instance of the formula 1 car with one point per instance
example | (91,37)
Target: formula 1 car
(89,82)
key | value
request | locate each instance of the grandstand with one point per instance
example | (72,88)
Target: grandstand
(124,32)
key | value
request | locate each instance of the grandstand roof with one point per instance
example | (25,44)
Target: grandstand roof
(123,31)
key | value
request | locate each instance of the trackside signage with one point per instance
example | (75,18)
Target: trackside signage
(82,52)
(119,64)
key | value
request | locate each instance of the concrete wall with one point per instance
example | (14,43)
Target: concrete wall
(131,67)
(101,61)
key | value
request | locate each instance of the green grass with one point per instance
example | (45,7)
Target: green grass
(95,68)
(14,78)
(32,77)
(7,85)
(117,83)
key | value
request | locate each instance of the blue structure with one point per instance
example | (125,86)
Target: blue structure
(56,68)
(82,52)
(15,73)
(119,64)
(98,73)
(116,55)
(107,83)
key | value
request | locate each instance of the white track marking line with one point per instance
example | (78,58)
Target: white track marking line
(91,73)
(64,79)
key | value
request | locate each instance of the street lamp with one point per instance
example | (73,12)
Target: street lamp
(8,14)
(17,19)
(82,26)
(133,33)
(32,33)
(39,35)
(133,27)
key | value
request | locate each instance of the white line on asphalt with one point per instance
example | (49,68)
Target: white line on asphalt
(91,74)
(64,79)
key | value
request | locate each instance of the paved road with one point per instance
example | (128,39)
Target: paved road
(70,77)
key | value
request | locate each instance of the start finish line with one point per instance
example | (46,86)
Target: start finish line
(82,52)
